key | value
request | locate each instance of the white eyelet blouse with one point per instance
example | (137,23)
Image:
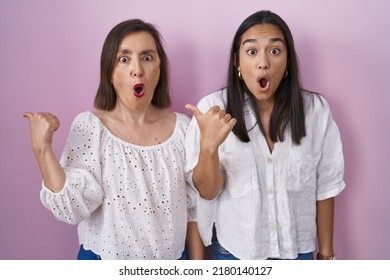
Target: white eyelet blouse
(129,201)
(267,207)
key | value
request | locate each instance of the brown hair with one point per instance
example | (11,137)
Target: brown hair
(105,98)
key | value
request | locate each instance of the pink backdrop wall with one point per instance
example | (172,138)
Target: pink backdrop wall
(49,61)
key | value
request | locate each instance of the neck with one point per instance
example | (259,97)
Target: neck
(135,115)
(265,107)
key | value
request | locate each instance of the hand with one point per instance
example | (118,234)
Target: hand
(42,128)
(214,125)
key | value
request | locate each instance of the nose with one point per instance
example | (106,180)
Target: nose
(263,62)
(136,69)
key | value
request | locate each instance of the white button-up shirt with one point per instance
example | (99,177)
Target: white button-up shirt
(267,207)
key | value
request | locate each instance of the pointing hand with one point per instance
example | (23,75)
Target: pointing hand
(42,128)
(214,125)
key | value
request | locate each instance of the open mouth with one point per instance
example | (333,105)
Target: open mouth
(139,90)
(263,82)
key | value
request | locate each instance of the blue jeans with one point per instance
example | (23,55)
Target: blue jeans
(221,253)
(89,255)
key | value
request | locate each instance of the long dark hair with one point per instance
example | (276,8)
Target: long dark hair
(288,109)
(105,98)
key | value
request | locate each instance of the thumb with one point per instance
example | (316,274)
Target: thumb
(195,111)
(28,115)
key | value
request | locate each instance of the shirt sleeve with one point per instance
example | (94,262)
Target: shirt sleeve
(82,193)
(205,210)
(192,140)
(191,204)
(330,171)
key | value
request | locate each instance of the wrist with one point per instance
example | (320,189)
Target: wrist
(208,149)
(325,257)
(40,150)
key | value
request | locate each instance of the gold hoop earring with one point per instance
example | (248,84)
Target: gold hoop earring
(285,74)
(239,75)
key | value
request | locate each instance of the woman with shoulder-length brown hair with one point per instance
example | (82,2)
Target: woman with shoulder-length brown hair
(121,175)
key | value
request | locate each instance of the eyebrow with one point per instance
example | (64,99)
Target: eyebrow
(127,51)
(272,40)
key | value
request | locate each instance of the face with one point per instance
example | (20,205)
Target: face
(262,60)
(137,68)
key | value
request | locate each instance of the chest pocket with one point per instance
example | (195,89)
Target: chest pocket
(239,169)
(302,172)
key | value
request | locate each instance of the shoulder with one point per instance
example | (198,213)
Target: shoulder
(86,130)
(86,121)
(315,103)
(216,98)
(182,119)
(182,124)
(86,117)
(318,113)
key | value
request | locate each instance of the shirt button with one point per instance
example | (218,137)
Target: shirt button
(269,160)
(273,226)
(270,191)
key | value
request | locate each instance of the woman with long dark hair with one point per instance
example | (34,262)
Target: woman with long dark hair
(264,154)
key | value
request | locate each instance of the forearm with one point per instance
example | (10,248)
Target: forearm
(52,172)
(194,242)
(207,176)
(325,224)
(42,127)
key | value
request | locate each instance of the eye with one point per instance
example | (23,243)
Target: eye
(123,59)
(275,51)
(147,58)
(251,52)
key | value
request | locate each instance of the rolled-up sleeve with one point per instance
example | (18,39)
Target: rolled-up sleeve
(330,171)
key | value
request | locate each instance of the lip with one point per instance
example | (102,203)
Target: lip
(261,80)
(138,89)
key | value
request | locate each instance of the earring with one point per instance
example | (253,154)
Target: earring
(285,74)
(239,75)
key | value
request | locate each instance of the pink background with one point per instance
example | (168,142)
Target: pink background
(49,61)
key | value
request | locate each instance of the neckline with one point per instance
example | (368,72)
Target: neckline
(118,139)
